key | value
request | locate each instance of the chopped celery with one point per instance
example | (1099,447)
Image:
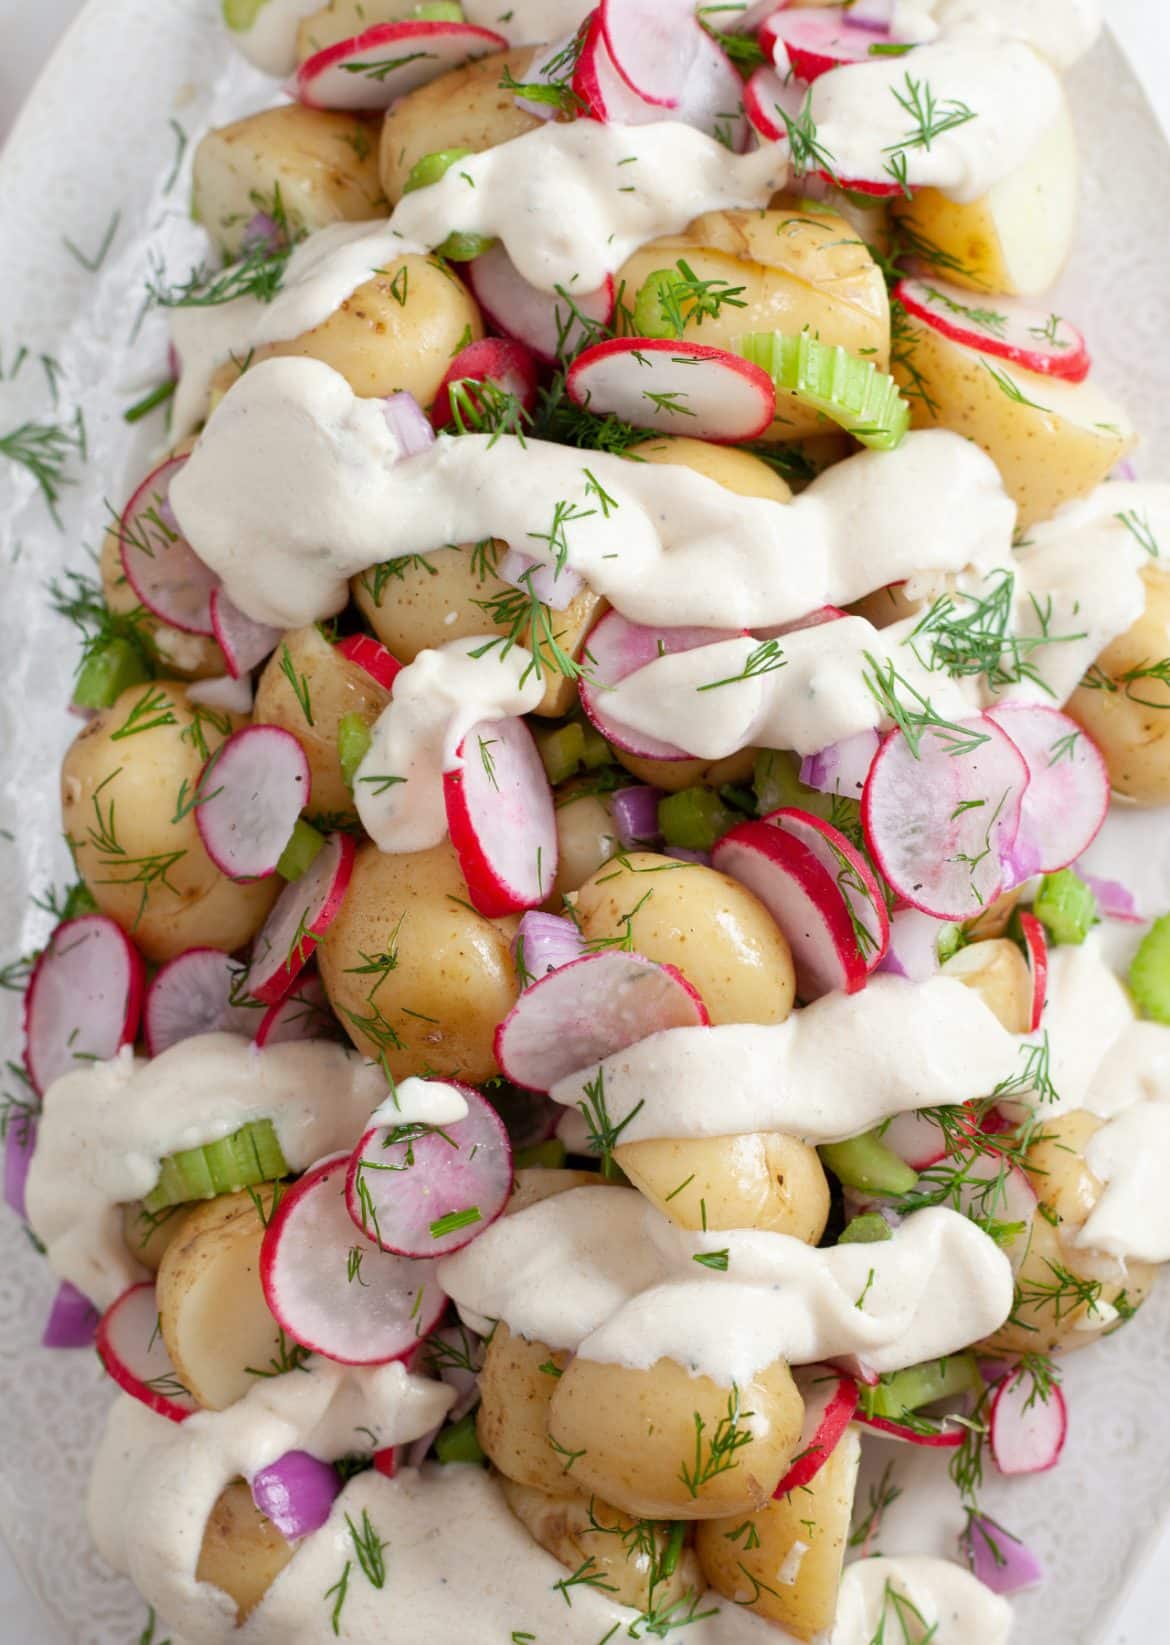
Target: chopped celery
(300,852)
(353,742)
(438,11)
(457,247)
(107,672)
(249,1156)
(694,818)
(950,940)
(867,1164)
(650,312)
(904,1391)
(239,15)
(841,386)
(550,1154)
(867,1229)
(597,750)
(1066,906)
(459,1442)
(562,750)
(1149,975)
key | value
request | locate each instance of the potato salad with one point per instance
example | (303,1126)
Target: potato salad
(592,1051)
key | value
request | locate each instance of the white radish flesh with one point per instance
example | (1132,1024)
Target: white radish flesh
(195,993)
(666,58)
(84,998)
(551,325)
(917,1140)
(1034,338)
(502,362)
(254,788)
(1027,1432)
(501,817)
(1036,953)
(674,387)
(1067,794)
(830,1403)
(244,643)
(373,69)
(601,89)
(161,567)
(302,914)
(130,1346)
(813,42)
(305,1014)
(853,876)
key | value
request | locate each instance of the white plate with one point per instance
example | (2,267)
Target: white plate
(96,140)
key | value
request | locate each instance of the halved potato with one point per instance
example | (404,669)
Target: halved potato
(586,838)
(148,1237)
(737,471)
(673,775)
(243,1553)
(1127,717)
(516,1384)
(763,1179)
(999,974)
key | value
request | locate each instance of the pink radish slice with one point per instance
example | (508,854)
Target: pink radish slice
(842,767)
(939,827)
(815,619)
(500,361)
(501,818)
(257,784)
(373,69)
(130,1346)
(304,1014)
(1036,950)
(84,998)
(996,1190)
(426,1191)
(372,657)
(543,321)
(913,950)
(303,912)
(918,1141)
(851,1365)
(1027,1433)
(1067,795)
(161,567)
(816,41)
(763,98)
(305,1263)
(674,387)
(617,647)
(603,93)
(1034,338)
(804,899)
(589,1010)
(194,993)
(830,1401)
(661,51)
(944,1439)
(854,877)
(244,643)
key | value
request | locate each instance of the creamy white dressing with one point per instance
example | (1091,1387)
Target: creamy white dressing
(1131,1156)
(1060,30)
(271,41)
(954,1607)
(421,1102)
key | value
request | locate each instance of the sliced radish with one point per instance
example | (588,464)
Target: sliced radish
(244,643)
(554,325)
(830,1401)
(1068,788)
(303,912)
(1034,338)
(161,567)
(764,96)
(502,819)
(83,1000)
(554,586)
(941,1439)
(372,657)
(373,69)
(426,1190)
(813,42)
(589,1010)
(501,361)
(804,899)
(602,91)
(994,1189)
(667,58)
(815,619)
(616,648)
(379,1314)
(917,1140)
(941,825)
(674,387)
(1036,950)
(913,950)
(305,1014)
(130,1346)
(1027,1433)
(255,786)
(842,767)
(854,877)
(195,993)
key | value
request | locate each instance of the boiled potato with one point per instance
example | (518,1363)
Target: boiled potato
(999,974)
(534,1183)
(435,1010)
(311,166)
(124,780)
(787,1566)
(148,1236)
(798,269)
(887,605)
(674,775)
(566,632)
(719,936)
(342,19)
(737,471)
(334,687)
(211,1308)
(644,1439)
(243,1553)
(625,1556)
(466,109)
(585,839)
(995,918)
(187,656)
(1057,1170)
(512,1423)
(760,1180)
(1017,237)
(1131,723)
(1052,441)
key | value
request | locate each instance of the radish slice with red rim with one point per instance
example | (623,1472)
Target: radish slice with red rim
(195,993)
(940,826)
(919,1141)
(674,387)
(805,901)
(993,1190)
(552,325)
(161,567)
(589,1010)
(603,93)
(244,643)
(428,1190)
(813,42)
(938,1438)
(500,362)
(842,767)
(502,819)
(372,657)
(815,619)
(668,60)
(84,998)
(1027,1429)
(1033,338)
(302,914)
(304,1014)
(130,1346)
(254,788)
(830,1402)
(1036,953)
(1067,795)
(305,1268)
(763,98)
(854,877)
(373,69)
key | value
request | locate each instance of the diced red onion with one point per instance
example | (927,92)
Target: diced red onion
(635,815)
(1124,470)
(416,1453)
(842,767)
(683,853)
(913,949)
(409,423)
(872,14)
(19,1142)
(549,941)
(262,233)
(1113,899)
(553,588)
(1000,1560)
(296,1492)
(994,1370)
(465,1382)
(72,1321)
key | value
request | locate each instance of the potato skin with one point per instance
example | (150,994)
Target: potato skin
(147,1238)
(453,981)
(737,471)
(585,839)
(999,974)
(141,774)
(512,1423)
(1131,724)
(759,1180)
(243,1553)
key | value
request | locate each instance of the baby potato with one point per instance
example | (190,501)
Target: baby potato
(640,1445)
(333,687)
(999,974)
(719,936)
(737,471)
(211,1308)
(995,918)
(797,270)
(342,19)
(243,1553)
(763,1179)
(466,109)
(317,167)
(126,777)
(788,1568)
(435,1012)
(1057,1170)
(534,1183)
(148,1237)
(673,775)
(187,656)
(585,839)
(512,1423)
(1129,719)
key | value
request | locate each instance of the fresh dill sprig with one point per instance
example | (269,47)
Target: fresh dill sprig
(45,449)
(913,714)
(719,1453)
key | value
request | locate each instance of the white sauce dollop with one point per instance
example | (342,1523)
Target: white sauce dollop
(271,42)
(954,1607)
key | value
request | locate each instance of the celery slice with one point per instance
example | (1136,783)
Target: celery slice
(650,316)
(597,750)
(353,743)
(1149,975)
(1065,905)
(845,389)
(438,11)
(246,1157)
(694,818)
(920,1385)
(459,1442)
(562,751)
(239,15)
(867,1229)
(551,1155)
(457,247)
(867,1164)
(107,672)
(300,853)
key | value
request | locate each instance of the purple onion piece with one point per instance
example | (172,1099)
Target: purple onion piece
(262,233)
(409,423)
(872,14)
(842,767)
(416,1453)
(635,815)
(545,942)
(553,587)
(465,1345)
(1000,1560)
(913,950)
(994,1370)
(296,1492)
(1113,898)
(1124,470)
(72,1321)
(19,1142)
(684,853)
